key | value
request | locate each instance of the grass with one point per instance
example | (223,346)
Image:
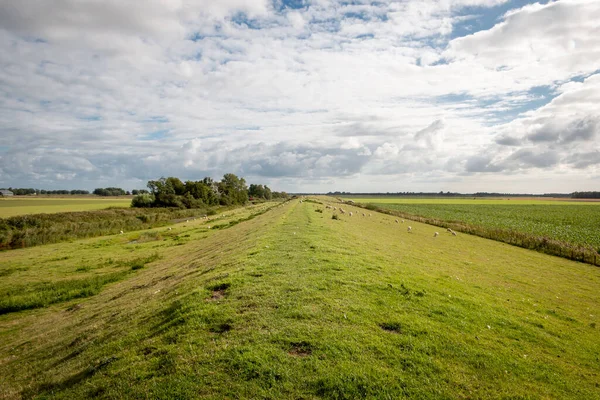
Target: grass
(294,304)
(566,229)
(38,229)
(10,207)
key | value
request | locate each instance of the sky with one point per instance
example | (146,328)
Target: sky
(302,95)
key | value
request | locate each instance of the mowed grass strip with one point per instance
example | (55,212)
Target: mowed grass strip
(295,304)
(10,207)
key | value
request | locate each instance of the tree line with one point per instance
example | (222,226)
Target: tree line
(586,195)
(231,190)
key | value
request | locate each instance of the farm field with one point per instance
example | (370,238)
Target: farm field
(476,200)
(284,302)
(10,207)
(574,223)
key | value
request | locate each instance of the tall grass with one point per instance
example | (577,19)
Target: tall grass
(33,230)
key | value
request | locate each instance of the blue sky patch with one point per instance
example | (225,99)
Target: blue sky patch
(485,17)
(156,135)
(91,118)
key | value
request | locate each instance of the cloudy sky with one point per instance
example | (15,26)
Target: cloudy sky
(304,95)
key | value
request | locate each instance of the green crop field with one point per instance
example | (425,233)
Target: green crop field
(470,201)
(10,207)
(285,302)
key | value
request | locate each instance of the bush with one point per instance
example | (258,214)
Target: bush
(142,200)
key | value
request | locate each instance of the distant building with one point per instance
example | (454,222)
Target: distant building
(6,193)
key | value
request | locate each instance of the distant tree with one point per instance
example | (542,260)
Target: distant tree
(585,195)
(233,190)
(109,191)
(177,185)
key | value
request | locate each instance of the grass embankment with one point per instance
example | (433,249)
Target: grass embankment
(567,229)
(13,206)
(293,304)
(69,277)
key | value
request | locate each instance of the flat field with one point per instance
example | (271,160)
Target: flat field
(295,304)
(10,207)
(573,222)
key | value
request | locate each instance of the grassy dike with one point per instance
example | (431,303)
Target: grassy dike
(293,304)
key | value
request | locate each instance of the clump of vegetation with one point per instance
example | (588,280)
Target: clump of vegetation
(335,216)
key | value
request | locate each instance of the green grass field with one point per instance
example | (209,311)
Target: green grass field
(294,304)
(573,223)
(10,207)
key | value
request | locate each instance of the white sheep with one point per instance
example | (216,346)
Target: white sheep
(409,228)
(334,208)
(169,228)
(449,230)
(121,232)
(396,221)
(363,214)
(350,213)
(453,233)
(402,221)
(435,234)
(369,215)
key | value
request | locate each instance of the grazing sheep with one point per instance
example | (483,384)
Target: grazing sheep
(449,230)
(334,208)
(363,214)
(169,228)
(409,228)
(121,232)
(350,213)
(402,221)
(435,234)
(396,221)
(453,233)
(369,215)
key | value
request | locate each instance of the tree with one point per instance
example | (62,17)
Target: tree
(233,190)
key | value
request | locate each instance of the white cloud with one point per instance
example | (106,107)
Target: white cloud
(324,92)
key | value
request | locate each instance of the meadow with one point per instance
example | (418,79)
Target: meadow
(14,206)
(564,228)
(284,302)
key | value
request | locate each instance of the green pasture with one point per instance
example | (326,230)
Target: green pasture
(284,302)
(570,222)
(10,207)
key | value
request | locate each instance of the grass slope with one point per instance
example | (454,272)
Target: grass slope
(294,304)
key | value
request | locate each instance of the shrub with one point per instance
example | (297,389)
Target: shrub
(142,200)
